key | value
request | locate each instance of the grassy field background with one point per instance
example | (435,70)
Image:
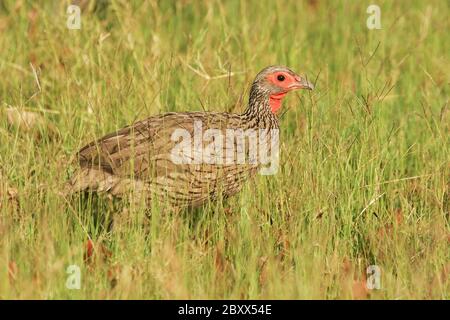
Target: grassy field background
(364,177)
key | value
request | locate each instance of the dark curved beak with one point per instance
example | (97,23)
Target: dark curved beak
(302,83)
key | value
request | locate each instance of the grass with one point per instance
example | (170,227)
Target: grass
(364,177)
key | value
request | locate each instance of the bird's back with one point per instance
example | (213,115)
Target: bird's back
(164,157)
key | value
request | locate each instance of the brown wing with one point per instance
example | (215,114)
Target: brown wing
(143,152)
(136,149)
(133,150)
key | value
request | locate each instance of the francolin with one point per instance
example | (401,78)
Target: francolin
(180,156)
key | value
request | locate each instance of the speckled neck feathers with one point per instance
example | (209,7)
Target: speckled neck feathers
(259,113)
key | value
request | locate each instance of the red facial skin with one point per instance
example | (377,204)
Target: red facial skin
(275,101)
(289,83)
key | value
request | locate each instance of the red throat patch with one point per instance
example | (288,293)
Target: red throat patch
(275,101)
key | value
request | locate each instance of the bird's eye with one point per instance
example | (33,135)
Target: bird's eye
(280,77)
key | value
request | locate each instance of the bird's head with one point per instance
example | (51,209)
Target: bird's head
(275,82)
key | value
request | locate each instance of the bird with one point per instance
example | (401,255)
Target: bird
(185,159)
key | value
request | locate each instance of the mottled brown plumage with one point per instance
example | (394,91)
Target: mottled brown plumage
(138,157)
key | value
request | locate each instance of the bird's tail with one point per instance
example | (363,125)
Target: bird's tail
(94,180)
(88,179)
